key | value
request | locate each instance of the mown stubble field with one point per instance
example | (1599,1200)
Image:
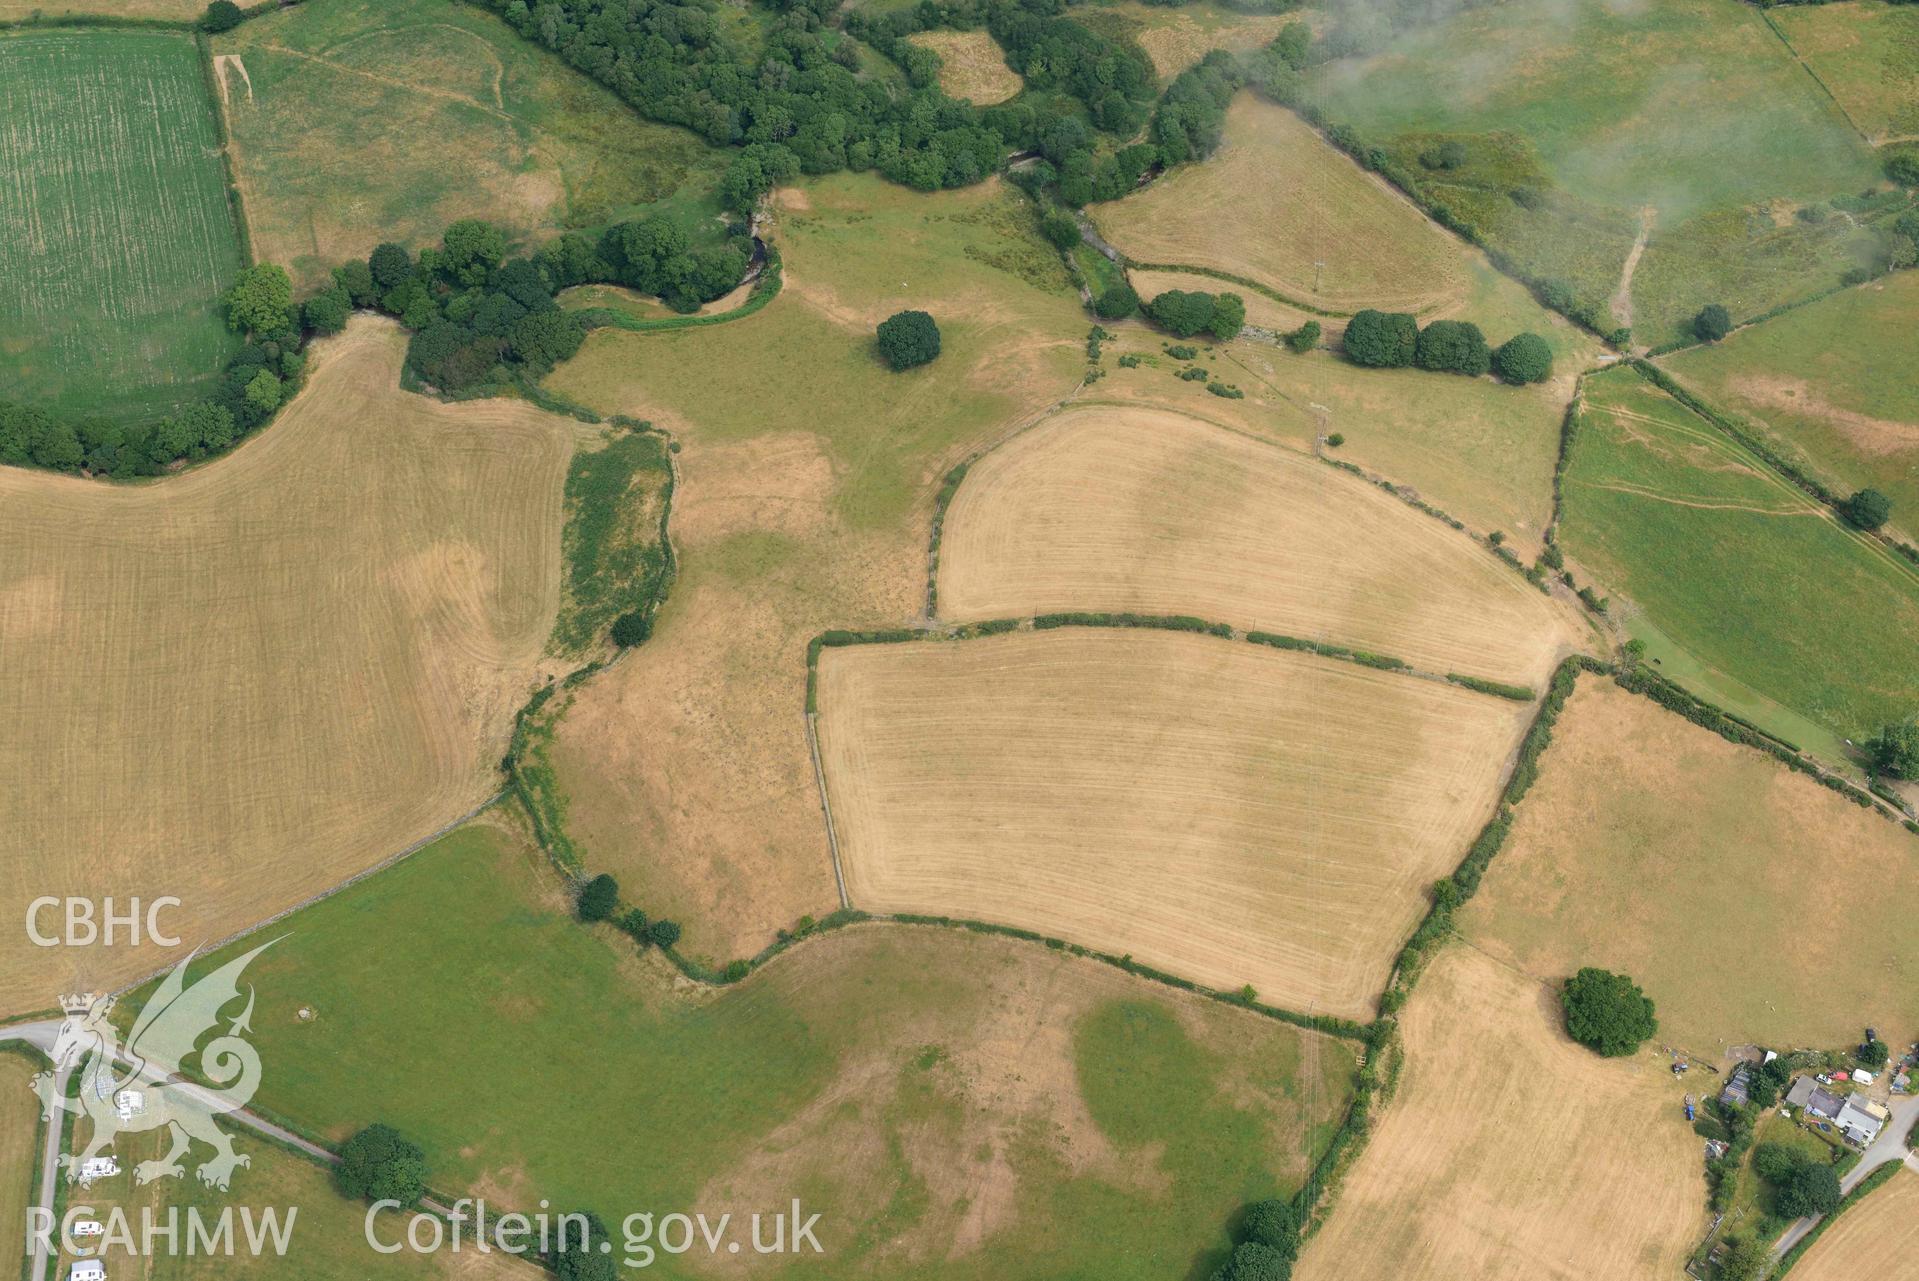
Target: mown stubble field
(1219,810)
(1112,508)
(1657,849)
(241,684)
(1509,1152)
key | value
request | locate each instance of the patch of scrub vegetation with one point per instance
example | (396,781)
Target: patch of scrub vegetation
(1576,117)
(1588,877)
(1748,577)
(810,1078)
(618,561)
(1815,383)
(116,235)
(343,114)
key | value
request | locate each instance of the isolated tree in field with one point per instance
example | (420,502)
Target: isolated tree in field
(1607,1012)
(1873,1053)
(221,15)
(1229,317)
(1712,323)
(1381,339)
(1895,752)
(1272,1223)
(1523,358)
(1447,155)
(631,628)
(1252,1261)
(1060,229)
(1116,302)
(1304,338)
(1453,347)
(390,266)
(1868,509)
(908,339)
(261,300)
(598,897)
(380,1164)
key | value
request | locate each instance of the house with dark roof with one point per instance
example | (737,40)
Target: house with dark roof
(1806,1094)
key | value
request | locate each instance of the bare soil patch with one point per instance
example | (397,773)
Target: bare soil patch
(244,683)
(1223,811)
(1510,1152)
(1108,508)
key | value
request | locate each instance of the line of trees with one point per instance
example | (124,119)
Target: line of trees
(1394,340)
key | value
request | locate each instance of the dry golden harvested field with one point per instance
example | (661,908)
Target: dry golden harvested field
(1175,39)
(1220,810)
(807,479)
(1879,1237)
(1509,1153)
(19,1156)
(1110,508)
(1278,205)
(972,66)
(1656,848)
(242,684)
(166,10)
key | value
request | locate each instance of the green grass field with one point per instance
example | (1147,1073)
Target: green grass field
(1731,564)
(1691,107)
(115,233)
(959,1106)
(1867,53)
(1820,383)
(345,113)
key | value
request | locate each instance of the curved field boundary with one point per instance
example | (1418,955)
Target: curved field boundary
(1878,1178)
(765,289)
(1215,273)
(1140,467)
(836,639)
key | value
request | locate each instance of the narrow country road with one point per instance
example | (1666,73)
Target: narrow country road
(1890,1147)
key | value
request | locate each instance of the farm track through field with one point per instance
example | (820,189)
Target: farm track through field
(393,82)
